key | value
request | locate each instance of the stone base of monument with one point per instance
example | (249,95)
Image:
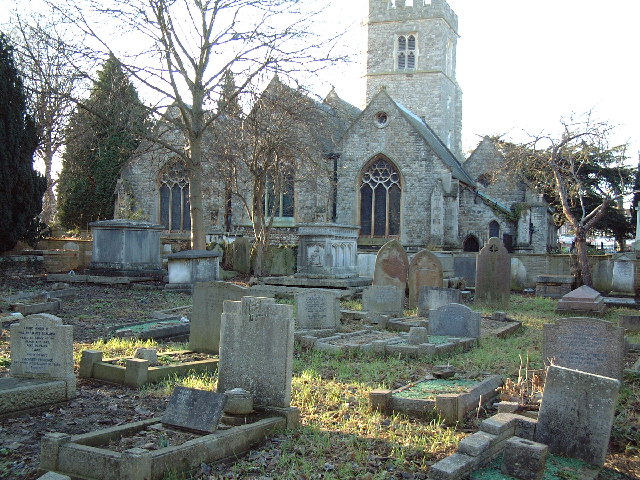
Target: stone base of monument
(452,399)
(583,300)
(190,266)
(50,305)
(135,372)
(21,394)
(89,456)
(554,286)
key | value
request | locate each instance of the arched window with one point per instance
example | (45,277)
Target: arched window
(406,52)
(471,244)
(494,229)
(380,194)
(174,198)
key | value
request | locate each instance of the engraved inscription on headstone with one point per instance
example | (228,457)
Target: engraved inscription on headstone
(317,309)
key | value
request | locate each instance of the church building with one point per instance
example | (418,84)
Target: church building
(398,165)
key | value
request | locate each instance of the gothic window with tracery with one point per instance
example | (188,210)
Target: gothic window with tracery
(174,198)
(380,195)
(406,52)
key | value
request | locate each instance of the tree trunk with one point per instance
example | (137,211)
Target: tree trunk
(583,259)
(196,211)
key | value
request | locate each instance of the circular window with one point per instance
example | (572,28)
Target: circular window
(382,119)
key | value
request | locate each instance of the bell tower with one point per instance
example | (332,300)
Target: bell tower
(411,52)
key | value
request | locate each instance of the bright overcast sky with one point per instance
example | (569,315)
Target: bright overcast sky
(522,65)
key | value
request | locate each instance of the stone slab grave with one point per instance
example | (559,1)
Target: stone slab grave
(425,269)
(141,370)
(194,410)
(256,349)
(577,413)
(452,398)
(583,300)
(41,371)
(432,298)
(190,266)
(208,299)
(380,300)
(455,320)
(493,274)
(586,344)
(172,326)
(317,309)
(554,286)
(392,266)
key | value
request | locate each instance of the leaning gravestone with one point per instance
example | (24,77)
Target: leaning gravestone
(204,327)
(392,266)
(586,344)
(256,350)
(432,298)
(493,274)
(383,300)
(317,309)
(576,414)
(194,410)
(425,269)
(41,364)
(454,320)
(582,300)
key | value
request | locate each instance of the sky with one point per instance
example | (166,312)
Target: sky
(524,65)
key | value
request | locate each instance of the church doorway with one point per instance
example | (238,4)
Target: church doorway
(471,244)
(380,195)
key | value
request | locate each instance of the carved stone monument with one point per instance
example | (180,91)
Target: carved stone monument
(327,250)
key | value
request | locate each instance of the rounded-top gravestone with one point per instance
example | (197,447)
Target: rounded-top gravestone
(392,266)
(425,269)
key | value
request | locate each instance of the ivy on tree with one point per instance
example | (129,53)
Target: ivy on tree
(21,187)
(102,134)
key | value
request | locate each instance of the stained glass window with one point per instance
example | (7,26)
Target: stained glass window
(174,198)
(380,195)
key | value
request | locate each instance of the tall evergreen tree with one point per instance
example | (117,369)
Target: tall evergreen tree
(103,133)
(21,187)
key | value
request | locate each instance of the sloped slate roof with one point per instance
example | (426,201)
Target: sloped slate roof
(429,136)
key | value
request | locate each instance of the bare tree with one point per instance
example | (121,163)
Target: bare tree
(50,79)
(184,47)
(573,168)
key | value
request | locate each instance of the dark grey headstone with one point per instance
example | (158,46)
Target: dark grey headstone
(464,266)
(454,320)
(585,344)
(577,413)
(493,274)
(195,410)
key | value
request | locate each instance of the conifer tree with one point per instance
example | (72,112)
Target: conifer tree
(102,134)
(21,187)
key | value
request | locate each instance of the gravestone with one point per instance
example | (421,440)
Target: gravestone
(577,413)
(383,300)
(584,300)
(208,297)
(585,344)
(256,349)
(432,298)
(518,274)
(194,410)
(392,266)
(241,255)
(630,322)
(493,274)
(464,266)
(624,274)
(454,320)
(317,309)
(425,269)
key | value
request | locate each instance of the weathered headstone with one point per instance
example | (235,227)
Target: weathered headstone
(241,255)
(493,274)
(256,349)
(624,274)
(585,344)
(383,300)
(317,309)
(583,299)
(464,266)
(432,298)
(195,410)
(630,322)
(454,320)
(425,269)
(392,266)
(518,274)
(577,413)
(208,297)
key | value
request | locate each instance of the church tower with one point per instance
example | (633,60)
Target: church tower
(412,53)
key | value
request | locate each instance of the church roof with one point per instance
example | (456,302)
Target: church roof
(438,146)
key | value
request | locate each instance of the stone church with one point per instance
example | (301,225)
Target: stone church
(398,166)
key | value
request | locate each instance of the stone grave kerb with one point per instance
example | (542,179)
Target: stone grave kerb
(392,266)
(493,274)
(42,348)
(256,349)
